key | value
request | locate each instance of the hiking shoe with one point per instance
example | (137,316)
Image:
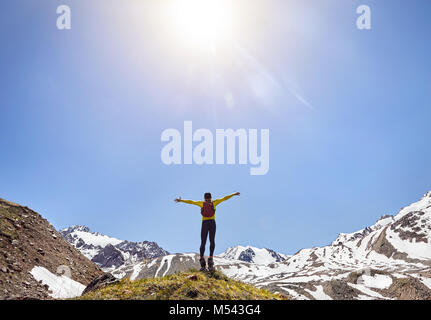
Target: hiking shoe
(203,263)
(211,264)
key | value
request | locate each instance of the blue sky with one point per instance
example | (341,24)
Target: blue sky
(82,112)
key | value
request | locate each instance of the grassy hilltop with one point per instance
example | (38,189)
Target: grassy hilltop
(189,285)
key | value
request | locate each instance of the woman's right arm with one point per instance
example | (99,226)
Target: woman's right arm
(196,203)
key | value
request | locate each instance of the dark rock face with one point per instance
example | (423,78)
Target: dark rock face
(276,256)
(340,290)
(383,246)
(142,250)
(109,257)
(100,282)
(113,256)
(247,255)
(362,234)
(410,227)
(409,289)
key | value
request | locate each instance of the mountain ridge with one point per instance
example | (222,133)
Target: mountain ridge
(382,261)
(109,252)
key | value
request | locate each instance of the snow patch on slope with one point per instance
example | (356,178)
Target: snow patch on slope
(379,281)
(61,287)
(319,294)
(414,250)
(367,291)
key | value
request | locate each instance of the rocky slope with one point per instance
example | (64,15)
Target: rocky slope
(389,260)
(35,261)
(107,252)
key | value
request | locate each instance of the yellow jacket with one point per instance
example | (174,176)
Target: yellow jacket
(201,204)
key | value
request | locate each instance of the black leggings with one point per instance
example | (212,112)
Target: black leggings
(208,226)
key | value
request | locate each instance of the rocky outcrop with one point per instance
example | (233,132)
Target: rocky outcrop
(409,289)
(340,290)
(247,255)
(383,246)
(109,257)
(411,227)
(100,282)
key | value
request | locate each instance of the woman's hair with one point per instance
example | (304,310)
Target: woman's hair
(207,195)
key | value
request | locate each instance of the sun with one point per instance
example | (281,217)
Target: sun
(202,23)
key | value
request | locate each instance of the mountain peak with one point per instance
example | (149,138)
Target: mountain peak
(386,216)
(253,255)
(76,228)
(108,252)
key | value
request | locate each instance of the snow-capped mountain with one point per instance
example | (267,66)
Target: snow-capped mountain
(389,260)
(110,253)
(253,255)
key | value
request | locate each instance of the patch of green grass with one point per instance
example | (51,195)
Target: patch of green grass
(7,229)
(402,281)
(189,285)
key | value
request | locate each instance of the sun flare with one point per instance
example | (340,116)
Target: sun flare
(203,22)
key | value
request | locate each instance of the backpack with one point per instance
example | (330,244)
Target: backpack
(208,209)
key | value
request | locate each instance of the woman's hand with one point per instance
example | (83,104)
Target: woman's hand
(177,199)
